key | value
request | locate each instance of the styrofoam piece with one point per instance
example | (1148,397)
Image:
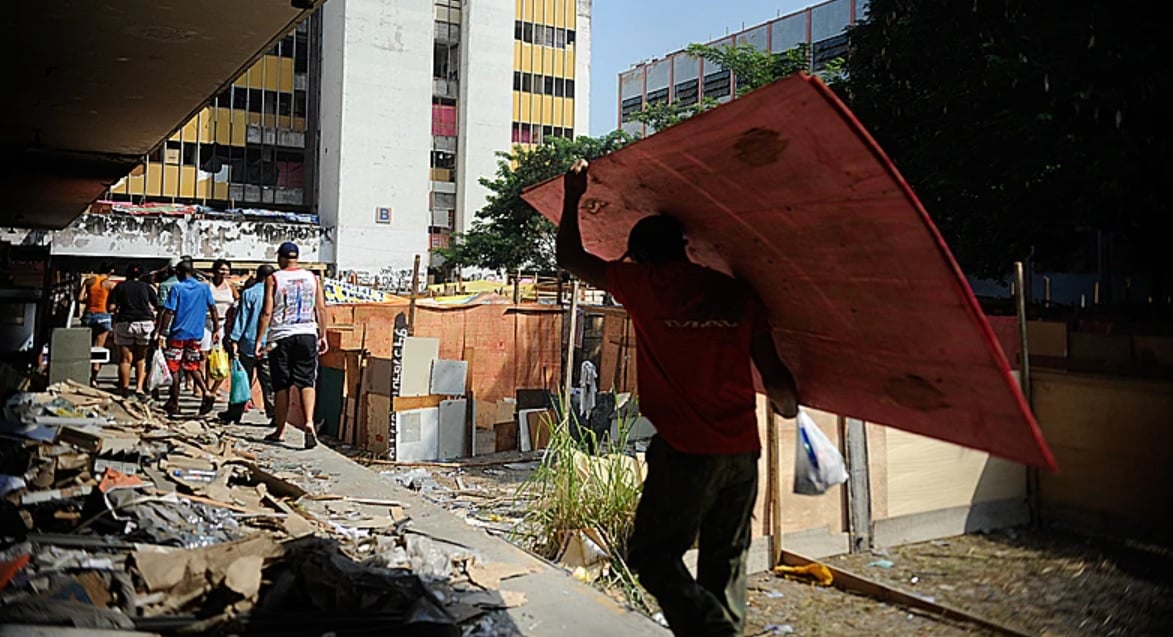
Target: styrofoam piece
(417,435)
(523,441)
(453,426)
(449,378)
(418,355)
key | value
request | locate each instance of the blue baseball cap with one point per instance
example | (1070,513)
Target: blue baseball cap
(288,250)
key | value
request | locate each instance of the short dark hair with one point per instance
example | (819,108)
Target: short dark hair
(656,238)
(134,271)
(264,271)
(184,269)
(219,263)
(107,267)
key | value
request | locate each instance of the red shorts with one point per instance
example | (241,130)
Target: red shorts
(185,355)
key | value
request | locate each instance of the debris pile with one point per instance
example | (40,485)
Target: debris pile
(115,518)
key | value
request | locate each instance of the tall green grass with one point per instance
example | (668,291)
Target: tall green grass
(572,491)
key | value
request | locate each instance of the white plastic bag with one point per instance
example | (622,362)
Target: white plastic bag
(160,375)
(818,465)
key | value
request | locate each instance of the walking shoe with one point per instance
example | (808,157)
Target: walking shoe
(273,437)
(171,409)
(207,405)
(311,439)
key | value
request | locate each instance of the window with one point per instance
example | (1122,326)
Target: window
(527,32)
(527,82)
(517,31)
(570,88)
(517,80)
(560,38)
(717,84)
(631,106)
(539,35)
(570,36)
(559,87)
(550,36)
(548,85)
(685,93)
(658,97)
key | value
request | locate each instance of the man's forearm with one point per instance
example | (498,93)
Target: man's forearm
(569,237)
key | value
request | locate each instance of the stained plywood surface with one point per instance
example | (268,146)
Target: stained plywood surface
(784,188)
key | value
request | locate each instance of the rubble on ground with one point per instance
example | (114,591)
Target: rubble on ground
(113,517)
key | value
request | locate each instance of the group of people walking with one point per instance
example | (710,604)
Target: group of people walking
(273,326)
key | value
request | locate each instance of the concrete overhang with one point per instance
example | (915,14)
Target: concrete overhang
(93,85)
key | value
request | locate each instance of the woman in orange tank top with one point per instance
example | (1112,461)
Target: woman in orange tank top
(94,297)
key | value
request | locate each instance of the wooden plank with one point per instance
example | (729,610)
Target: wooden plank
(850,582)
(407,403)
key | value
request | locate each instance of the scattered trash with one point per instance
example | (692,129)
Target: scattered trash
(885,564)
(120,519)
(817,572)
(773,594)
(779,629)
(660,619)
(914,580)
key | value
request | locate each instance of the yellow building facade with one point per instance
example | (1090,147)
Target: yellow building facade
(545,36)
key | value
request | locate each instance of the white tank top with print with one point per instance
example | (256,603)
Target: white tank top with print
(295,293)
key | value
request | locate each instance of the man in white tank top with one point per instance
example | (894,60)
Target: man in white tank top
(293,320)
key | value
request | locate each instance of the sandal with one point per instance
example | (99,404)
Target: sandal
(273,437)
(206,406)
(311,439)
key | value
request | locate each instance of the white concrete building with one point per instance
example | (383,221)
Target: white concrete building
(378,116)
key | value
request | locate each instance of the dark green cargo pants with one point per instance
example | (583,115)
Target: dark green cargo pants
(684,496)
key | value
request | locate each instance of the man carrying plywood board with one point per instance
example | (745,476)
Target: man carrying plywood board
(699,333)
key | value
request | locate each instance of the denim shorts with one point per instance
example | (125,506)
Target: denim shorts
(99,321)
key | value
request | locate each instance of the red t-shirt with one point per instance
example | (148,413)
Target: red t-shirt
(693,329)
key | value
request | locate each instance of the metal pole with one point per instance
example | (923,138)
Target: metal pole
(568,377)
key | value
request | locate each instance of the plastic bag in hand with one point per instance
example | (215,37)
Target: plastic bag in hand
(818,465)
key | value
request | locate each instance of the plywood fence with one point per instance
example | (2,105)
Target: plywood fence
(508,346)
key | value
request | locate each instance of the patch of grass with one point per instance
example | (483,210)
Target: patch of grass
(574,491)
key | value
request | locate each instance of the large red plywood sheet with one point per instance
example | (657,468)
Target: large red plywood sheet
(784,188)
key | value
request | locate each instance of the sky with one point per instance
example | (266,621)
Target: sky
(624,32)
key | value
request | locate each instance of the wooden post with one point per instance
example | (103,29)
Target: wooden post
(859,493)
(559,287)
(517,287)
(415,286)
(774,486)
(568,378)
(1032,474)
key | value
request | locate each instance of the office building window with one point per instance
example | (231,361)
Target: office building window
(717,84)
(685,93)
(543,35)
(631,106)
(659,96)
(570,88)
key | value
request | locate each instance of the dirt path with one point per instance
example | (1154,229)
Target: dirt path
(1045,583)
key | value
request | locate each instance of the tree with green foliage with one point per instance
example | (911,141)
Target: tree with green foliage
(1022,127)
(508,233)
(752,67)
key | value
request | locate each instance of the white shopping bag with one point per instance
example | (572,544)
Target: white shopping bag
(818,465)
(160,375)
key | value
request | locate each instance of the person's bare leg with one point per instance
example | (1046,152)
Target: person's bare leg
(309,398)
(125,358)
(280,412)
(173,400)
(99,340)
(139,357)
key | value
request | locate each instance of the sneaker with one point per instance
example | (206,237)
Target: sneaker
(311,440)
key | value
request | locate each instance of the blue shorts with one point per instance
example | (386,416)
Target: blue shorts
(99,322)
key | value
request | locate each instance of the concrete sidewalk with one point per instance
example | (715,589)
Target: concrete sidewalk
(556,603)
